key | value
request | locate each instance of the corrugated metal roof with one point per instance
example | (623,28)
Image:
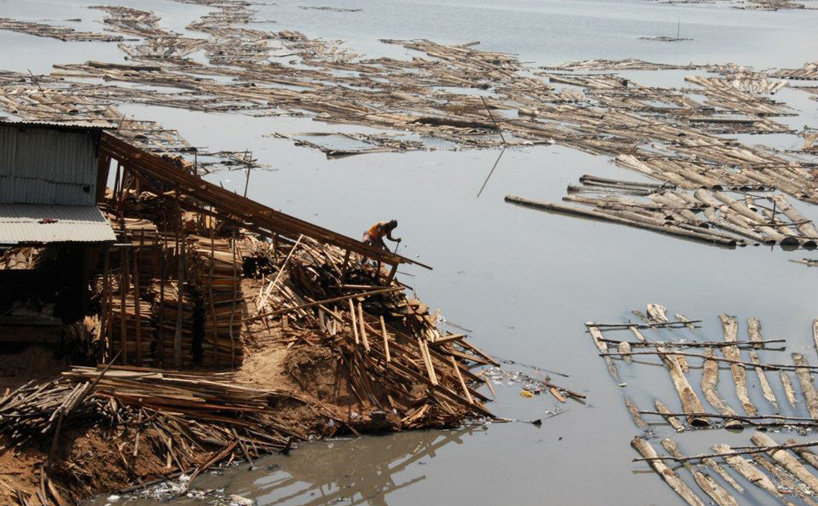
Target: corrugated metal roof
(47,165)
(98,125)
(44,224)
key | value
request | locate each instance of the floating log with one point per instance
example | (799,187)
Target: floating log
(710,381)
(766,389)
(667,415)
(732,353)
(789,391)
(596,335)
(634,412)
(746,469)
(630,221)
(712,464)
(802,371)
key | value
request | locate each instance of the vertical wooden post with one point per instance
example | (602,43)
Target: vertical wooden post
(236,287)
(103,312)
(213,314)
(137,308)
(180,244)
(124,285)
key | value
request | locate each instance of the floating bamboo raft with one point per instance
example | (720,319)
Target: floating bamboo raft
(784,471)
(743,358)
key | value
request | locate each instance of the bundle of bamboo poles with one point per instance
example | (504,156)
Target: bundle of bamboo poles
(131,327)
(175,318)
(216,269)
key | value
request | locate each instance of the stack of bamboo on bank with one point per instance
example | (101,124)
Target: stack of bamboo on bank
(784,472)
(781,407)
(176,323)
(739,217)
(131,327)
(216,269)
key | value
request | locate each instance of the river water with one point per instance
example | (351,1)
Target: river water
(522,281)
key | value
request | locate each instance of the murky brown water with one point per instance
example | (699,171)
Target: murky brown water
(523,281)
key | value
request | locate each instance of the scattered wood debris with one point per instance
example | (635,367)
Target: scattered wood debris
(56,32)
(456,94)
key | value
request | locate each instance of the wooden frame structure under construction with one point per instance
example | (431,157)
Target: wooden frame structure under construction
(147,168)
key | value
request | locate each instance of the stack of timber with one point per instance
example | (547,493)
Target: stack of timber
(708,214)
(782,472)
(782,406)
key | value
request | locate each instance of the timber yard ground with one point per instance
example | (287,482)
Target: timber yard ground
(521,283)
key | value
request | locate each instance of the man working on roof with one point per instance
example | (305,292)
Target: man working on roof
(376,233)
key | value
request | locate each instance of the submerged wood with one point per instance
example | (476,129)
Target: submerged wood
(746,469)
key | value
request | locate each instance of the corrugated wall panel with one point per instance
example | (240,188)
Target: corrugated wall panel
(47,166)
